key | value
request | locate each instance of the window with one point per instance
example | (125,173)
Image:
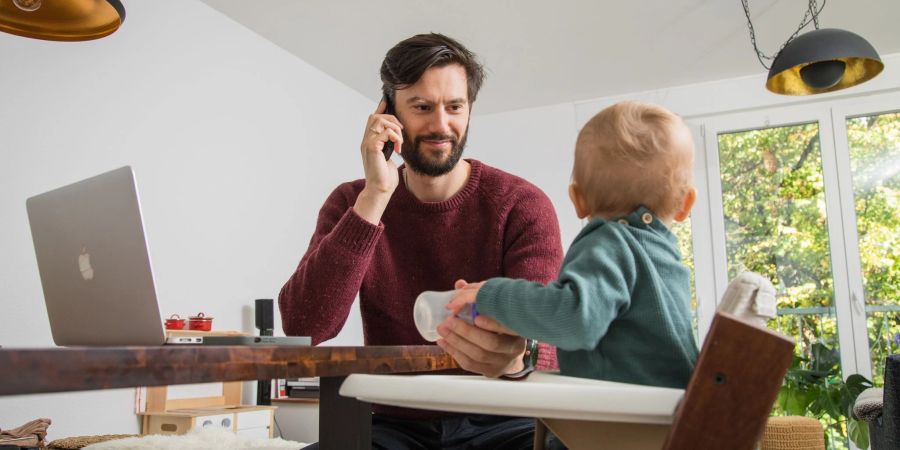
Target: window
(809,196)
(775,220)
(874,161)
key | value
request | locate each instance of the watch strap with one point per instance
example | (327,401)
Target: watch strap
(529,359)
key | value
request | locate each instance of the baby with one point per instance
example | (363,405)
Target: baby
(620,309)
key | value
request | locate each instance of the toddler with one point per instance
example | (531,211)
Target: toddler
(620,309)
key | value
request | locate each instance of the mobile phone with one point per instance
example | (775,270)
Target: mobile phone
(388,149)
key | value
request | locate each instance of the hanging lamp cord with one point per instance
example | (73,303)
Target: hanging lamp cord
(811,16)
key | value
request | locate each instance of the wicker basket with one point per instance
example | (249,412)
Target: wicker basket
(793,433)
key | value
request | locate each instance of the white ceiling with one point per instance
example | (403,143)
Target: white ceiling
(546,52)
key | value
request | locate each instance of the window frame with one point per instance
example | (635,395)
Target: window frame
(715,256)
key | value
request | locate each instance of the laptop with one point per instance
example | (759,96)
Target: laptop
(95,267)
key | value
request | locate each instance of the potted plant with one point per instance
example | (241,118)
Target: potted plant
(813,387)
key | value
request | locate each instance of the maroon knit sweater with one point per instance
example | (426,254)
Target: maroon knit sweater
(497,225)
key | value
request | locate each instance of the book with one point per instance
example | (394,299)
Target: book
(303,393)
(303,381)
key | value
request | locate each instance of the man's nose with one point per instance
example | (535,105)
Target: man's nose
(440,122)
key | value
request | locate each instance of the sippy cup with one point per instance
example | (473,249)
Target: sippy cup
(429,311)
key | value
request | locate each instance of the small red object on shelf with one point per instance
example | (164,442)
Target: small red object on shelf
(174,323)
(200,322)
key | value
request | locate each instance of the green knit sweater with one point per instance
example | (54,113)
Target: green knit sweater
(619,311)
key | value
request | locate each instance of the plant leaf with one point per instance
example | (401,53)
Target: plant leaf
(859,432)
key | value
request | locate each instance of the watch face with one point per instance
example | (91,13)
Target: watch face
(529,359)
(531,352)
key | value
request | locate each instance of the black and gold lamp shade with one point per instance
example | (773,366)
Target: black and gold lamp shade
(823,60)
(61,20)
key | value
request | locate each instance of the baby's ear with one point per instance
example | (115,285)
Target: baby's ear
(686,204)
(581,209)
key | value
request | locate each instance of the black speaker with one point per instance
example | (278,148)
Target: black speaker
(264,321)
(264,316)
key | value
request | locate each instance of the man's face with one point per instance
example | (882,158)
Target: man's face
(435,117)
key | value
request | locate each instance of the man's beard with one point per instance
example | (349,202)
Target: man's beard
(416,160)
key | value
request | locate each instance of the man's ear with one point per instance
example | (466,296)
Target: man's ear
(686,204)
(581,208)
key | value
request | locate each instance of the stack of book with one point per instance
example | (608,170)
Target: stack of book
(302,387)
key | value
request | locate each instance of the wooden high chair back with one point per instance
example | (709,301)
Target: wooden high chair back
(734,385)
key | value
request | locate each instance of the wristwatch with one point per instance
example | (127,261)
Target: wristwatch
(529,359)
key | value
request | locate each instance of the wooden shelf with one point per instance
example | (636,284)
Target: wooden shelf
(295,400)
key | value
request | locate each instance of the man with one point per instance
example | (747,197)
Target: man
(437,219)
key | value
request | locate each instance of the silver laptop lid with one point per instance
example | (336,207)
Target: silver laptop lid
(94,265)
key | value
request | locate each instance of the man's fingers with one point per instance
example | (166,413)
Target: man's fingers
(461,359)
(481,342)
(466,361)
(377,138)
(392,119)
(465,346)
(486,323)
(393,136)
(380,124)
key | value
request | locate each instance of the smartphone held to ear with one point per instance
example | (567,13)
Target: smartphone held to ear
(388,149)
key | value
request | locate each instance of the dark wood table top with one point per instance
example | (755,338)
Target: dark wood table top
(29,371)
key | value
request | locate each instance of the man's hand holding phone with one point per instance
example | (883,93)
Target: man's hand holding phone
(381,173)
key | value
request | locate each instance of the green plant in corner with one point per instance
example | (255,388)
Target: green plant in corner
(813,387)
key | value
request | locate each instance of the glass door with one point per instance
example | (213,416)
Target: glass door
(867,134)
(775,209)
(773,213)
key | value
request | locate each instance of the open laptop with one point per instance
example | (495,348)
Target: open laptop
(95,267)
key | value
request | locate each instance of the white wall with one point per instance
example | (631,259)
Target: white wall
(536,144)
(235,144)
(539,143)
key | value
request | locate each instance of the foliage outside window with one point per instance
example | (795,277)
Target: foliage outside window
(875,166)
(682,230)
(776,224)
(773,203)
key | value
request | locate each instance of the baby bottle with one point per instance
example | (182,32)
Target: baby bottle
(429,311)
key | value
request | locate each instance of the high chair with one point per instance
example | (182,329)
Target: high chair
(725,405)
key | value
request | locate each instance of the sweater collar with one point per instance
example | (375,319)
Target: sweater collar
(641,218)
(408,201)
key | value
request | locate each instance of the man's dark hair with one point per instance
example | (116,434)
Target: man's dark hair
(404,64)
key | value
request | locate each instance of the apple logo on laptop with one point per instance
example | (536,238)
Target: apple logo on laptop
(84,264)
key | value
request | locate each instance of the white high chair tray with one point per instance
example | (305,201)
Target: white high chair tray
(545,395)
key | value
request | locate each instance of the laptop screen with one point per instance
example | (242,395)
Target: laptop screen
(94,264)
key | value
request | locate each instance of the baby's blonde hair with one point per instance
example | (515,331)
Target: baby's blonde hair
(628,155)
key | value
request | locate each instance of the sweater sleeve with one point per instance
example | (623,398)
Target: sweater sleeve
(575,311)
(316,299)
(533,251)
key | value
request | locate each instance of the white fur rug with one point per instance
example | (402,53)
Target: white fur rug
(206,438)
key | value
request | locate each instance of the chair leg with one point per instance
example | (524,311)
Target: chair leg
(540,434)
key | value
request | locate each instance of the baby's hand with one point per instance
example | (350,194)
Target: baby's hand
(466,293)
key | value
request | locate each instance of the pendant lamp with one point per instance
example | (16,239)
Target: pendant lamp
(822,60)
(61,20)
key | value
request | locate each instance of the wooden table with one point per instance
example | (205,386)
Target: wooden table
(344,423)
